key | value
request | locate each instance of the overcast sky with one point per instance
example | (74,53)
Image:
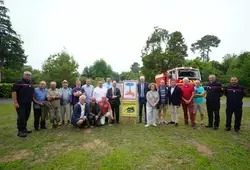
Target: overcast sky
(116,30)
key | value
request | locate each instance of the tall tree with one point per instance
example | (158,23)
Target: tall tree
(11,52)
(100,68)
(87,72)
(204,46)
(163,51)
(59,67)
(135,67)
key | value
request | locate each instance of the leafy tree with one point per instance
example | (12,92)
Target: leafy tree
(100,69)
(59,67)
(129,76)
(115,76)
(204,46)
(11,52)
(87,72)
(135,67)
(162,52)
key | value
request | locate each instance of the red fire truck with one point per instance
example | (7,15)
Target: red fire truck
(179,73)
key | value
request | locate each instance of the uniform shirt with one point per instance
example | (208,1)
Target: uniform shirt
(105,107)
(88,92)
(214,91)
(99,93)
(54,93)
(75,99)
(107,85)
(24,90)
(187,91)
(40,96)
(234,95)
(199,90)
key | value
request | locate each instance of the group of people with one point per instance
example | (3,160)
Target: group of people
(86,106)
(81,106)
(192,98)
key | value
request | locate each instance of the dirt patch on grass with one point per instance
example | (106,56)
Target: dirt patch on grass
(93,145)
(16,155)
(203,149)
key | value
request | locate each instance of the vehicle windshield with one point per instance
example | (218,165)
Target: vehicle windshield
(191,74)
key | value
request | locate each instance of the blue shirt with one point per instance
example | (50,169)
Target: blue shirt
(107,86)
(199,90)
(65,94)
(88,92)
(142,90)
(40,96)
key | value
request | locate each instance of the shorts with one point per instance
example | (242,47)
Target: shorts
(102,119)
(199,107)
(163,107)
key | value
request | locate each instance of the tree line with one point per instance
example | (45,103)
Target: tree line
(163,50)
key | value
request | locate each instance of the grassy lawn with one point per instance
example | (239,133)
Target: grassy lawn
(124,146)
(245,99)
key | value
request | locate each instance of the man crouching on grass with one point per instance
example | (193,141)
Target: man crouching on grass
(80,113)
(106,111)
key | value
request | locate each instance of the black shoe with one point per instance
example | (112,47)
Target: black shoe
(186,124)
(170,123)
(216,128)
(208,126)
(28,131)
(227,129)
(36,129)
(44,127)
(176,124)
(236,130)
(139,122)
(193,126)
(22,134)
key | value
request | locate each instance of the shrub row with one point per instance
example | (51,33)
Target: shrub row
(5,90)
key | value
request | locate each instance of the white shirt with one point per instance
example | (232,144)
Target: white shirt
(172,90)
(99,93)
(82,110)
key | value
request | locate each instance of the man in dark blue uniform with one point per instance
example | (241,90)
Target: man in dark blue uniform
(234,94)
(214,92)
(22,95)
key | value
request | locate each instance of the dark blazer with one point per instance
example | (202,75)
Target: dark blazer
(145,90)
(175,98)
(109,95)
(77,113)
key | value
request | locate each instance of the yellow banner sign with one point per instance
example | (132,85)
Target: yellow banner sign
(129,108)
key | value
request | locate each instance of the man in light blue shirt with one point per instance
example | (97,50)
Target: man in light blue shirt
(66,93)
(88,88)
(108,84)
(199,100)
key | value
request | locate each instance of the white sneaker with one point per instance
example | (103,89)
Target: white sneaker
(147,125)
(154,125)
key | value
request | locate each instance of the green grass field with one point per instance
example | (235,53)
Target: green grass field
(124,146)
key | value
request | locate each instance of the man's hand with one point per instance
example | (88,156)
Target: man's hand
(16,105)
(113,97)
(84,118)
(96,117)
(41,103)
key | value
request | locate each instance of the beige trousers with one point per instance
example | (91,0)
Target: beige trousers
(65,111)
(174,114)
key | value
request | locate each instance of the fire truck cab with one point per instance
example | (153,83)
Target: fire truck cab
(178,74)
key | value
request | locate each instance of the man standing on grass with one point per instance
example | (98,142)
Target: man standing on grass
(108,83)
(39,99)
(142,92)
(53,96)
(163,103)
(66,93)
(114,95)
(77,92)
(187,91)
(80,113)
(99,92)
(106,111)
(214,92)
(199,100)
(234,94)
(22,95)
(88,88)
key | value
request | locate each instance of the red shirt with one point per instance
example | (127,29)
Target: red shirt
(105,107)
(187,91)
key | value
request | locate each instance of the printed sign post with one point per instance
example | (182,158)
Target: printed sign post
(129,101)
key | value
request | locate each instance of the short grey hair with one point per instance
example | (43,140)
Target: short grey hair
(186,79)
(142,77)
(53,82)
(82,97)
(27,72)
(212,75)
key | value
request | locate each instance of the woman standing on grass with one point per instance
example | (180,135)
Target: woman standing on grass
(152,101)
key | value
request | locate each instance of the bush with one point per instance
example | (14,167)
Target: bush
(5,90)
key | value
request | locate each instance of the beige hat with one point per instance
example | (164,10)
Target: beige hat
(65,81)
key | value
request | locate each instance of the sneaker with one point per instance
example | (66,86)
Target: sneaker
(59,124)
(22,134)
(169,123)
(227,129)
(147,125)
(154,125)
(164,122)
(159,123)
